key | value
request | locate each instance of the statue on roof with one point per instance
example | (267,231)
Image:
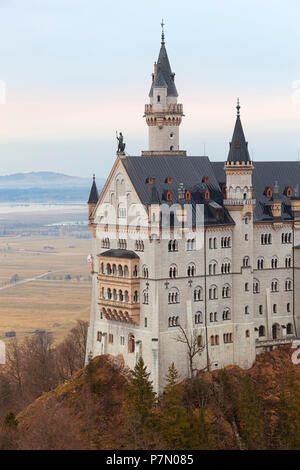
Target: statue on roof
(121,144)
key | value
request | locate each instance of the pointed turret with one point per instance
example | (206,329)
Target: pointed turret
(163,114)
(239,169)
(93,198)
(238,151)
(163,68)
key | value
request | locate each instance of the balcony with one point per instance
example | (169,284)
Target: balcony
(169,109)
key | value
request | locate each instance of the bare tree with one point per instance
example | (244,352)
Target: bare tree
(194,346)
(14,364)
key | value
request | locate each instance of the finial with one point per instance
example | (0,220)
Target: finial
(296,193)
(94,176)
(162,24)
(238,107)
(276,188)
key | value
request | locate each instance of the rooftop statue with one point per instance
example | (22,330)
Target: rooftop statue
(121,144)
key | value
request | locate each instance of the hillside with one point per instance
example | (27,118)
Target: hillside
(42,179)
(45,187)
(88,412)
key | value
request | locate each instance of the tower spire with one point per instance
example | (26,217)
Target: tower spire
(238,107)
(162,24)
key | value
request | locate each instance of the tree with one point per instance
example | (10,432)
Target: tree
(194,347)
(138,409)
(249,416)
(228,397)
(174,418)
(288,427)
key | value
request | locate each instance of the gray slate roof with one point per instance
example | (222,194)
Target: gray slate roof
(165,73)
(238,151)
(94,195)
(114,253)
(187,170)
(287,174)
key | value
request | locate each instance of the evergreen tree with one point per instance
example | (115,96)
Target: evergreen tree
(201,431)
(174,422)
(249,416)
(138,409)
(288,428)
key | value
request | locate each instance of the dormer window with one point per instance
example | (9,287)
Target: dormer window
(207,195)
(169,196)
(150,180)
(188,195)
(269,193)
(238,145)
(289,192)
(169,180)
(205,179)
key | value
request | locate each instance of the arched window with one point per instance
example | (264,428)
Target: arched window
(246,286)
(246,262)
(256,286)
(145,272)
(274,262)
(288,261)
(212,268)
(131,343)
(225,267)
(276,331)
(247,310)
(213,293)
(158,98)
(289,329)
(145,297)
(199,341)
(288,284)
(226,291)
(198,294)
(261,331)
(274,285)
(188,195)
(260,263)
(247,333)
(226,314)
(173,321)
(198,318)
(191,270)
(173,296)
(191,244)
(173,271)
(173,245)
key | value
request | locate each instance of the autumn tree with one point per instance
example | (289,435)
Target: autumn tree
(250,416)
(288,428)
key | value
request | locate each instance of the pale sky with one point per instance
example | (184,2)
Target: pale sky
(76,71)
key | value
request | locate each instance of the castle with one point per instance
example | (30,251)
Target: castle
(183,245)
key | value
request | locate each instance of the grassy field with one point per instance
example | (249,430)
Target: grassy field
(43,304)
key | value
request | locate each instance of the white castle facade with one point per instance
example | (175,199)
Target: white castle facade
(228,277)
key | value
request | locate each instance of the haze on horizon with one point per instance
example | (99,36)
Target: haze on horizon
(75,74)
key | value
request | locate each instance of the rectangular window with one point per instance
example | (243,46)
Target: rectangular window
(110,338)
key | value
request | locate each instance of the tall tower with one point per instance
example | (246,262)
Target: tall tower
(163,114)
(240,203)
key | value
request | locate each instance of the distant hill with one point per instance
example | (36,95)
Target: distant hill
(42,179)
(45,187)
